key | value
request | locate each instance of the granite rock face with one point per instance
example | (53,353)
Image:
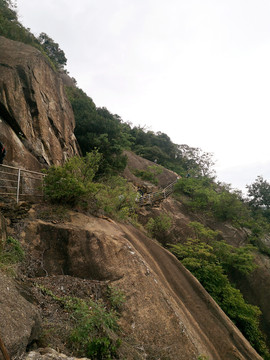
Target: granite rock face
(36,118)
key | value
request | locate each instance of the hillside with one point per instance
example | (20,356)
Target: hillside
(81,274)
(166,313)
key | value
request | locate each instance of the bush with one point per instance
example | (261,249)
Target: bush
(205,195)
(73,183)
(95,325)
(150,174)
(11,253)
(159,228)
(117,198)
(210,260)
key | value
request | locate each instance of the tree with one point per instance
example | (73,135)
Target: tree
(53,50)
(198,162)
(259,193)
(97,128)
(210,260)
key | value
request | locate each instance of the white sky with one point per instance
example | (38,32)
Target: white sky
(196,70)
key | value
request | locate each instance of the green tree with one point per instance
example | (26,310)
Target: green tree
(97,128)
(259,193)
(197,162)
(159,228)
(203,194)
(210,261)
(53,50)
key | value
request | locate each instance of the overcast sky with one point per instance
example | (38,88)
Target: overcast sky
(196,70)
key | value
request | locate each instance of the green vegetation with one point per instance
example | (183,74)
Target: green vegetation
(259,194)
(53,50)
(211,261)
(117,198)
(73,184)
(159,227)
(11,28)
(204,195)
(95,324)
(11,253)
(97,128)
(149,174)
(202,357)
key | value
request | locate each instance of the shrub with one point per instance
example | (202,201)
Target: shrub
(210,260)
(11,253)
(73,183)
(149,174)
(159,228)
(204,195)
(94,324)
(117,198)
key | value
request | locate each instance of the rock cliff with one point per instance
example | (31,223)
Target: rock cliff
(36,118)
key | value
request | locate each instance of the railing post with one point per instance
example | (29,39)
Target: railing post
(18,185)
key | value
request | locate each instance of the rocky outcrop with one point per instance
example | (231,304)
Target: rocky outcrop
(167,313)
(20,320)
(49,354)
(36,118)
(135,162)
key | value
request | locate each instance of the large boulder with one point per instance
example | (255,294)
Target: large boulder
(36,118)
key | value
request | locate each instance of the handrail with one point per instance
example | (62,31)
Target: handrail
(15,168)
(25,181)
(157,195)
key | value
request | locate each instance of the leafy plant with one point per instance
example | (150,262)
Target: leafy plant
(159,228)
(95,325)
(205,195)
(97,128)
(73,183)
(116,297)
(259,193)
(117,198)
(11,253)
(210,261)
(202,357)
(150,174)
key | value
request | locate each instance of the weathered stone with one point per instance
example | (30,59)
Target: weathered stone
(19,319)
(49,354)
(36,118)
(167,313)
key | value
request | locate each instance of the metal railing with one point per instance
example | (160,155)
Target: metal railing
(158,195)
(20,183)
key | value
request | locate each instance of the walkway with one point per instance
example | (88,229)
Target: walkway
(150,199)
(20,183)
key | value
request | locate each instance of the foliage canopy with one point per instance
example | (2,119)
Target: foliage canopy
(210,261)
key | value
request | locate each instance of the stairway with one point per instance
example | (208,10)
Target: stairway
(150,199)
